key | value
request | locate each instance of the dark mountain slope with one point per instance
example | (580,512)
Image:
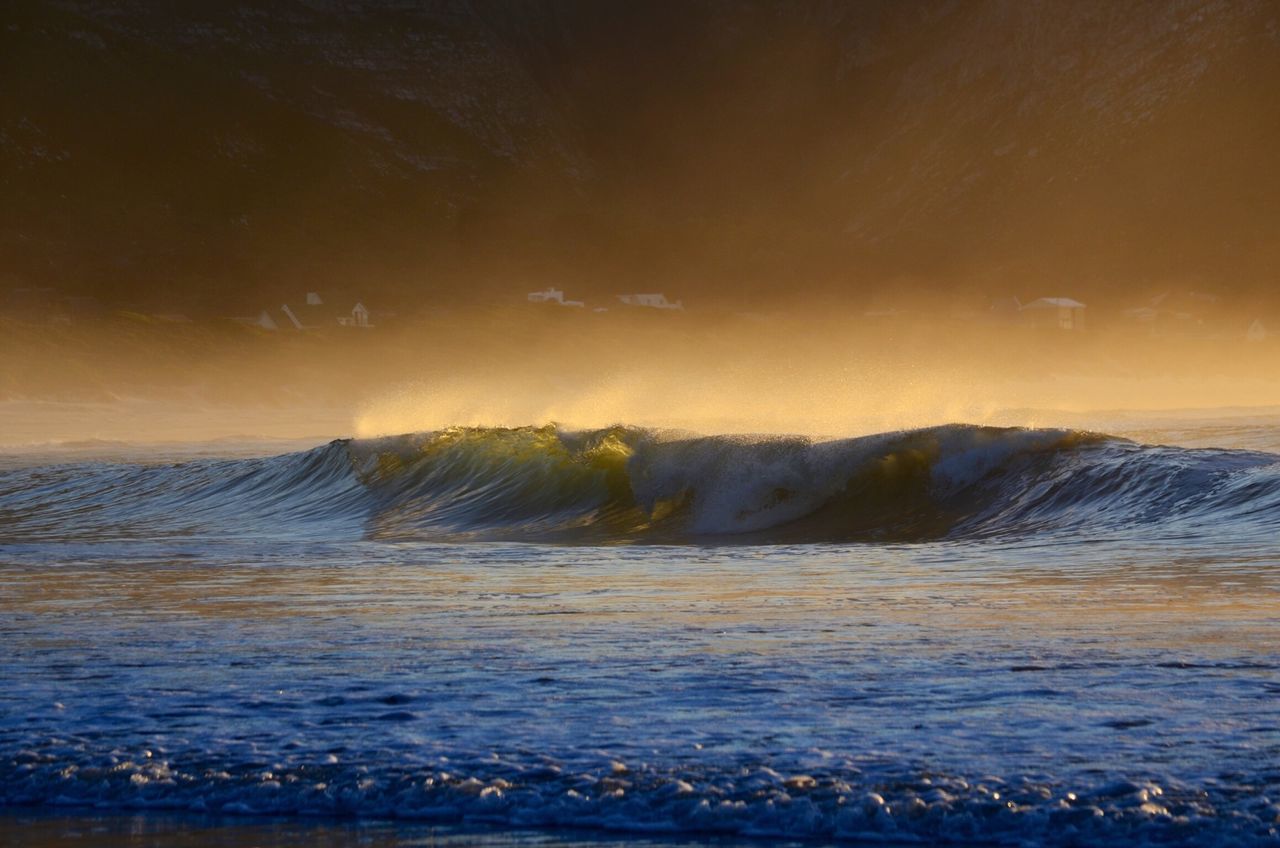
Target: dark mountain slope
(215,152)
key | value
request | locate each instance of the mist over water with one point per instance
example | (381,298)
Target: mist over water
(820,370)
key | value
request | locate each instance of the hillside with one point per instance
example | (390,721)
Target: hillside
(208,155)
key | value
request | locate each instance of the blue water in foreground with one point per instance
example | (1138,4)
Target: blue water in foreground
(958,635)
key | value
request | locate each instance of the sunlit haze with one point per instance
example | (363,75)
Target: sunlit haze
(860,210)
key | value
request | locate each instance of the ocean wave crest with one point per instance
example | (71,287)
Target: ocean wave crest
(628,484)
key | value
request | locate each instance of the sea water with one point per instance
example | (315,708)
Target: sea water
(950,635)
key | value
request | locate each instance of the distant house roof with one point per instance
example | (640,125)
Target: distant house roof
(318,312)
(1054,303)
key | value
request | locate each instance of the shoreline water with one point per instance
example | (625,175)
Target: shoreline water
(81,828)
(280,637)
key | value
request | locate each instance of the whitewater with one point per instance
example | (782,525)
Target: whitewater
(957,634)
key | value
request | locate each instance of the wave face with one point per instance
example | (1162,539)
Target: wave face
(626,484)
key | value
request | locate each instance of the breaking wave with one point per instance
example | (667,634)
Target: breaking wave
(626,484)
(842,802)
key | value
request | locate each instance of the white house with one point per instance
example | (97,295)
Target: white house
(359,317)
(653,301)
(315,313)
(1060,312)
(552,295)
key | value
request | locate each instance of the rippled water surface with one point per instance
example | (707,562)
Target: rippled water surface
(1105,682)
